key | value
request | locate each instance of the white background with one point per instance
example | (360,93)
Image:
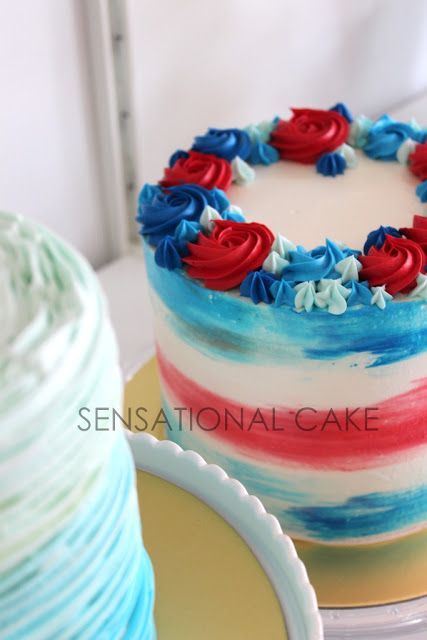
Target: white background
(231,62)
(192,63)
(48,161)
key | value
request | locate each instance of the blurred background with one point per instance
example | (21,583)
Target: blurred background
(96,94)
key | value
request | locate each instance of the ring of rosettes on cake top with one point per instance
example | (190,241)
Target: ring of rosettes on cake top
(189,220)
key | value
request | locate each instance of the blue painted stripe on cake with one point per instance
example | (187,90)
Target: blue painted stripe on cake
(228,326)
(305,516)
(364,515)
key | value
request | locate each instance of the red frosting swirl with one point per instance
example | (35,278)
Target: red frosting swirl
(223,259)
(417,233)
(309,134)
(397,265)
(203,169)
(418,161)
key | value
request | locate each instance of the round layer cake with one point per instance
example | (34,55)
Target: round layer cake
(297,361)
(72,564)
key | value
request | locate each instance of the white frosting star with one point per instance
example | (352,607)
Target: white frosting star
(208,217)
(242,171)
(380,297)
(349,155)
(349,268)
(274,263)
(420,290)
(405,150)
(282,246)
(332,295)
(233,208)
(305,297)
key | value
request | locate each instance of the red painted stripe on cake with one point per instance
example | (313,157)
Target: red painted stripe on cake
(392,427)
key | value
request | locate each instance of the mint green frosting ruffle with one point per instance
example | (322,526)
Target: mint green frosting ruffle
(59,577)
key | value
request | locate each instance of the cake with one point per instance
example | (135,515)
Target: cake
(72,563)
(291,319)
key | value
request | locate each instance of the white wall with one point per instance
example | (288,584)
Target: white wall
(199,63)
(48,162)
(193,64)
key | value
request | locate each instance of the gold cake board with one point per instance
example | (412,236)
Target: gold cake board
(342,576)
(208,583)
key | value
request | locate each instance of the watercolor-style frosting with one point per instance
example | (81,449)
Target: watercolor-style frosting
(354,479)
(307,366)
(72,564)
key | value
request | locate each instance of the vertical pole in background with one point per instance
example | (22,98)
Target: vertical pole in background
(104,24)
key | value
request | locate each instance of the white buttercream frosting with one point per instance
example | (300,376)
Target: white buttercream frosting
(294,200)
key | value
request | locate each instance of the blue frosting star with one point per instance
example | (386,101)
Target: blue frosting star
(234,216)
(257,286)
(421,191)
(315,265)
(331,164)
(343,110)
(263,153)
(283,293)
(376,238)
(179,153)
(169,252)
(187,231)
(360,293)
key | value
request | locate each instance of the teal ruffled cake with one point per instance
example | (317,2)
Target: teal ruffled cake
(72,563)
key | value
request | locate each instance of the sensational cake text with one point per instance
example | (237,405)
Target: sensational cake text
(210,419)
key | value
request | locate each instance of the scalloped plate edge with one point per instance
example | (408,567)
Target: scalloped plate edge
(246,514)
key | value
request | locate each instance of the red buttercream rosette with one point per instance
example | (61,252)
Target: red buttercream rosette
(418,161)
(396,265)
(203,169)
(309,134)
(417,233)
(223,259)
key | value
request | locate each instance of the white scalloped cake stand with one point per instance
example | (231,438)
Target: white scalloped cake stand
(245,513)
(276,552)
